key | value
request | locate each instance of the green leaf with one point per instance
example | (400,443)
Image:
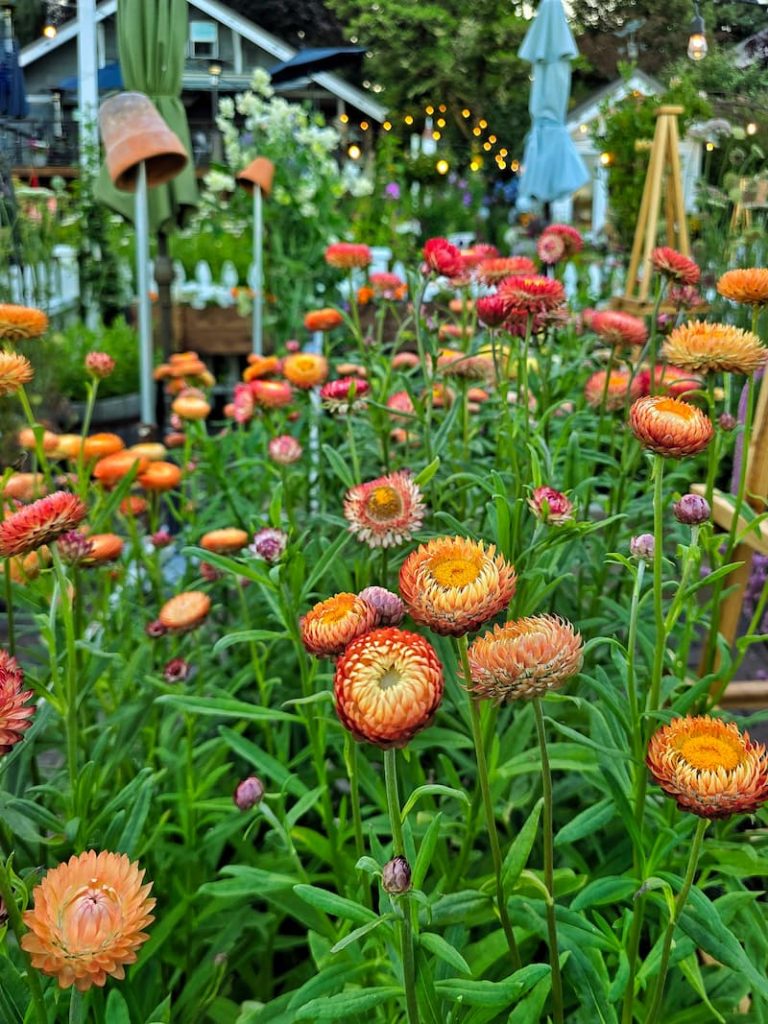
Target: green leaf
(428,472)
(268,765)
(14,995)
(332,903)
(117,1009)
(431,790)
(692,972)
(339,466)
(520,850)
(426,851)
(358,933)
(129,839)
(588,822)
(246,636)
(347,1004)
(492,993)
(605,890)
(529,1010)
(330,554)
(445,951)
(329,978)
(224,707)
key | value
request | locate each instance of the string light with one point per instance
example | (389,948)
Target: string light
(515,165)
(492,138)
(466,112)
(503,152)
(483,124)
(429,110)
(710,147)
(751,128)
(487,147)
(442,166)
(49,31)
(605,159)
(442,108)
(387,125)
(364,126)
(344,118)
(476,132)
(436,136)
(408,119)
(354,152)
(441,122)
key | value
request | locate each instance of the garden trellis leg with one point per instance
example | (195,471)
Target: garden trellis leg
(746,693)
(664,178)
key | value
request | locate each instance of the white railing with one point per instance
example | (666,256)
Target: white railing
(54,286)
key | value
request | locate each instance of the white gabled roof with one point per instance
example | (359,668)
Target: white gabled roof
(243,27)
(591,109)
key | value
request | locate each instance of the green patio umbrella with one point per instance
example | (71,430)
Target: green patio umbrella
(152,44)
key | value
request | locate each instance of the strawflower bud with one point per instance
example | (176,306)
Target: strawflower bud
(389,608)
(727,421)
(284,449)
(642,546)
(692,510)
(155,629)
(248,793)
(396,876)
(74,547)
(176,671)
(99,364)
(269,544)
(161,539)
(550,506)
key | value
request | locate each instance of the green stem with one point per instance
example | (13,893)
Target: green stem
(549,858)
(10,619)
(350,757)
(70,674)
(398,850)
(682,896)
(82,484)
(658,580)
(76,1007)
(714,448)
(353,450)
(634,706)
(17,926)
(490,816)
(37,432)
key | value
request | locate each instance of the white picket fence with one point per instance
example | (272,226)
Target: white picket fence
(53,286)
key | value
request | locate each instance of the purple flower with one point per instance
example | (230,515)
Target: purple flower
(392,190)
(269,544)
(249,792)
(642,546)
(389,608)
(692,510)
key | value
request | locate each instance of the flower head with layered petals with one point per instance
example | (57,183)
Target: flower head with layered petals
(15,372)
(89,919)
(39,523)
(347,255)
(708,767)
(618,328)
(20,323)
(305,369)
(15,710)
(669,426)
(748,286)
(714,348)
(620,387)
(388,685)
(385,512)
(330,625)
(675,266)
(454,585)
(531,293)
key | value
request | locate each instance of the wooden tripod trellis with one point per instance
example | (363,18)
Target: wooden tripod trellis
(663,180)
(745,693)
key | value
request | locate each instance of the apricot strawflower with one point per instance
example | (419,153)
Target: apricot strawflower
(714,348)
(191,406)
(388,685)
(454,585)
(709,767)
(305,369)
(39,523)
(323,319)
(225,541)
(112,468)
(670,380)
(271,394)
(25,486)
(330,625)
(15,372)
(88,919)
(159,476)
(385,512)
(20,323)
(347,255)
(261,366)
(749,286)
(99,446)
(621,386)
(524,658)
(104,547)
(669,426)
(185,611)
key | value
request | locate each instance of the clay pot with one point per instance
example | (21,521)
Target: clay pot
(133,133)
(258,172)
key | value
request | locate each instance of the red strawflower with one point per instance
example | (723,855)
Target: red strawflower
(619,328)
(15,713)
(492,310)
(346,255)
(442,257)
(675,266)
(531,293)
(42,521)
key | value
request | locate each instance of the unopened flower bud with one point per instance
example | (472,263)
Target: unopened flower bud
(74,547)
(269,544)
(550,506)
(692,509)
(249,792)
(161,538)
(209,572)
(284,449)
(176,671)
(155,629)
(396,876)
(727,421)
(389,608)
(642,546)
(99,364)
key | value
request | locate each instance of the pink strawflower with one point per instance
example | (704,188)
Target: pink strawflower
(15,712)
(269,544)
(99,364)
(385,512)
(550,248)
(389,608)
(550,506)
(347,394)
(442,257)
(284,449)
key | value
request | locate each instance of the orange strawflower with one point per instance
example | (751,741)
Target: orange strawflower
(191,406)
(15,711)
(748,286)
(99,446)
(385,512)
(271,394)
(24,486)
(152,450)
(185,611)
(388,685)
(88,919)
(708,767)
(112,468)
(346,255)
(620,387)
(225,541)
(327,628)
(68,446)
(262,366)
(18,323)
(44,520)
(524,658)
(453,585)
(104,547)
(159,476)
(15,372)
(305,369)
(714,348)
(133,505)
(323,319)
(669,426)
(618,328)
(26,439)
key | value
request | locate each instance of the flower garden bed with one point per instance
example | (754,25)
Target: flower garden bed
(377,699)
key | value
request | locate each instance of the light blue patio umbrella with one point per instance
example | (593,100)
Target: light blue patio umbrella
(552,168)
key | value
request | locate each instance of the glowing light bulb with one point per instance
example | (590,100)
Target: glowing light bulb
(354,152)
(442,166)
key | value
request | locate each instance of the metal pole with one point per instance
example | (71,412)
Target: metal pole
(87,82)
(258,263)
(142,284)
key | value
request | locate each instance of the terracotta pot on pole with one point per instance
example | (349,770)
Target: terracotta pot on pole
(140,151)
(257,179)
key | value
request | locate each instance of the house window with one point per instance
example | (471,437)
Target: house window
(203,39)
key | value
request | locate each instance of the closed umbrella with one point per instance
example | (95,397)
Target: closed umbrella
(552,168)
(13,104)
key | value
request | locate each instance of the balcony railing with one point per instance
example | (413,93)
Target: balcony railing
(29,145)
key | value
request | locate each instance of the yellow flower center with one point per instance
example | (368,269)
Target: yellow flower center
(337,607)
(708,753)
(455,571)
(384,502)
(676,408)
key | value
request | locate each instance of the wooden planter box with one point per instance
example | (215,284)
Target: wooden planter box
(213,331)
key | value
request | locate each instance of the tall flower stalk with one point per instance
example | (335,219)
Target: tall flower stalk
(405,922)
